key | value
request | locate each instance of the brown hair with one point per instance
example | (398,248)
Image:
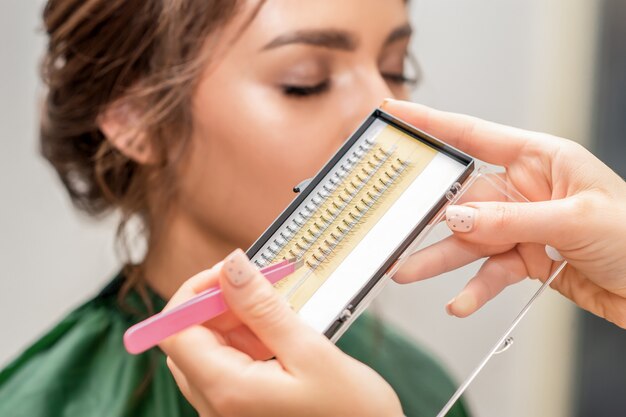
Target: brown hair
(145,52)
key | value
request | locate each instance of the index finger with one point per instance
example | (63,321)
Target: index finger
(491,142)
(203,358)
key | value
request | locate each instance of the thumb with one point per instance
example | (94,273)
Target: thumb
(497,223)
(257,304)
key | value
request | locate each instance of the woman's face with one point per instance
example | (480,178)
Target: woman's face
(281,100)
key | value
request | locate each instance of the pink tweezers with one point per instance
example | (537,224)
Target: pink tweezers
(204,306)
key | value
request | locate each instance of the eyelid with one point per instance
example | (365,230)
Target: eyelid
(304,82)
(306,69)
(411,71)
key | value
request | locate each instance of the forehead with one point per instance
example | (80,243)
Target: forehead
(370,20)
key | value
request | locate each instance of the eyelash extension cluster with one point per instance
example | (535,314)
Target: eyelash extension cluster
(354,216)
(311,207)
(344,198)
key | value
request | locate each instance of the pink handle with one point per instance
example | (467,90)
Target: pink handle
(204,306)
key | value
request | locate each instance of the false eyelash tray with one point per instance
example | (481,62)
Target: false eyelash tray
(364,213)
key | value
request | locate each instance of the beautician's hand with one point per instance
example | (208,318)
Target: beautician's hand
(578,207)
(308,377)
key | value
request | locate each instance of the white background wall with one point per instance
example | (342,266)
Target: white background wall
(522,62)
(51,258)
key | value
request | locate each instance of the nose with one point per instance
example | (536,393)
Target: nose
(370,90)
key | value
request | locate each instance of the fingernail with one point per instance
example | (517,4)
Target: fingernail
(384,103)
(554,254)
(464,304)
(238,268)
(449,307)
(460,218)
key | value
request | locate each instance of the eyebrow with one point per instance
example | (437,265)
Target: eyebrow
(399,33)
(332,38)
(326,38)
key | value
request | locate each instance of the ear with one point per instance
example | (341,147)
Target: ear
(120,125)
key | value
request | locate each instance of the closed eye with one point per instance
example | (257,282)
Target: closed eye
(301,91)
(401,79)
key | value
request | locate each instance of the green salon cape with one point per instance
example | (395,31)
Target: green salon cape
(80,368)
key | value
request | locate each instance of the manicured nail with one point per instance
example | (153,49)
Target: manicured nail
(554,254)
(449,307)
(384,103)
(238,268)
(464,304)
(460,218)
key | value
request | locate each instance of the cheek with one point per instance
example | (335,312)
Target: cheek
(250,147)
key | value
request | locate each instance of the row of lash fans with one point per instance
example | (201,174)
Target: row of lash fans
(310,207)
(320,239)
(353,217)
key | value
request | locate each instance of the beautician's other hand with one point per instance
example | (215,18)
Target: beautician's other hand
(308,377)
(578,207)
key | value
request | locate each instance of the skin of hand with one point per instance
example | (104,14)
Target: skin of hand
(308,375)
(578,206)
